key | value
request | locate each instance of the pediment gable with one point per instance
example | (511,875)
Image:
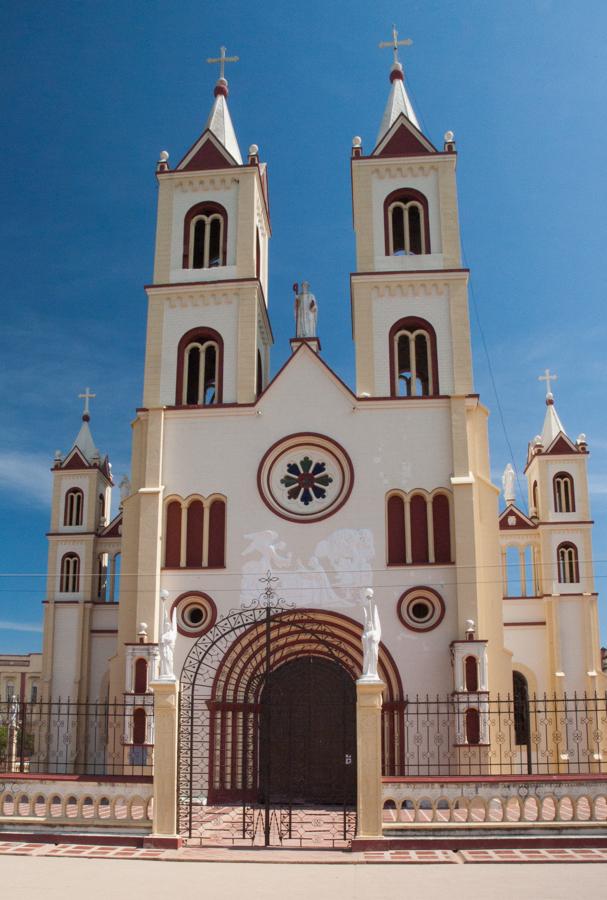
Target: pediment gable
(299,373)
(561,444)
(75,460)
(403,139)
(512,519)
(206,153)
(114,529)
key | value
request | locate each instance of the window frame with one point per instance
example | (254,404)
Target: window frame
(566,566)
(207,210)
(69,576)
(406,197)
(202,337)
(70,505)
(413,326)
(559,492)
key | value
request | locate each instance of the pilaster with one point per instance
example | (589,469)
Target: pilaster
(368,759)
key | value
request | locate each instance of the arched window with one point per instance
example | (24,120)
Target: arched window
(217,528)
(473,729)
(535,498)
(205,236)
(413,359)
(199,368)
(259,383)
(520,691)
(69,582)
(406,223)
(471,673)
(418,529)
(194,535)
(564,497)
(139,728)
(396,531)
(172,553)
(73,508)
(141,676)
(441,528)
(101,507)
(568,566)
(102,577)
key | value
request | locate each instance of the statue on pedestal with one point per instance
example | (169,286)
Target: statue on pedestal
(370,638)
(168,636)
(509,484)
(306,311)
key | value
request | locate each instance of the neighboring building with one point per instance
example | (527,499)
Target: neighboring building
(332,489)
(20,675)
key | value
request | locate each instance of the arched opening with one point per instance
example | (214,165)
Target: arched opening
(141,676)
(74,503)
(205,236)
(199,368)
(406,223)
(471,673)
(568,567)
(396,531)
(69,582)
(473,726)
(419,529)
(413,359)
(172,552)
(564,497)
(139,724)
(308,733)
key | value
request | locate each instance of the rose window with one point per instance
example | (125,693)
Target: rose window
(305,477)
(306,480)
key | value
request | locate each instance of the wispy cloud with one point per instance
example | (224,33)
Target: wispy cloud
(20,626)
(26,476)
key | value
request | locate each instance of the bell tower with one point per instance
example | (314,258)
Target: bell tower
(413,353)
(209,336)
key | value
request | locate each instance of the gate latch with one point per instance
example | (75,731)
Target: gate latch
(348,759)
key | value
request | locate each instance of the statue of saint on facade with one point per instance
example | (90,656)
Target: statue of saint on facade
(509,484)
(168,636)
(306,311)
(371,637)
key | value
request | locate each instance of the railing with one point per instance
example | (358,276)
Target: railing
(479,734)
(64,737)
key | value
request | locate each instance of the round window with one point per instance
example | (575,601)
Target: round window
(420,609)
(196,614)
(305,477)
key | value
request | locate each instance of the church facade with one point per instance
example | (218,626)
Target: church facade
(308,491)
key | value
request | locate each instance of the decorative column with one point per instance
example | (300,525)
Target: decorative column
(368,758)
(166,706)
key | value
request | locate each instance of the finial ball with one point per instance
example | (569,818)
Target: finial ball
(164,156)
(253,150)
(357,141)
(369,593)
(164,594)
(449,136)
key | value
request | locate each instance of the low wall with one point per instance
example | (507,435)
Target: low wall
(491,802)
(35,802)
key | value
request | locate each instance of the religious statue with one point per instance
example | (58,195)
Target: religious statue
(509,484)
(306,311)
(370,638)
(168,636)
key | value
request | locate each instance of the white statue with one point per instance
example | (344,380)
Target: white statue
(168,636)
(306,312)
(370,638)
(509,484)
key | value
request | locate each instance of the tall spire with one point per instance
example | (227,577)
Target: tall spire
(398,100)
(220,121)
(84,439)
(552,424)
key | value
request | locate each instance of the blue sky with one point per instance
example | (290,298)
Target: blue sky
(92,91)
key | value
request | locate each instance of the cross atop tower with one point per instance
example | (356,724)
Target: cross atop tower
(547,377)
(395,44)
(86,415)
(222,60)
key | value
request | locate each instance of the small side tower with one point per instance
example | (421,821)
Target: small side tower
(550,610)
(84,548)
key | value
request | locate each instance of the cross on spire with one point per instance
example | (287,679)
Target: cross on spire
(222,60)
(547,377)
(395,44)
(86,397)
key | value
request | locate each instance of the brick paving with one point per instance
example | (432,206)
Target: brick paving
(289,855)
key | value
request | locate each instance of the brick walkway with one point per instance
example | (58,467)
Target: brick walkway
(334,857)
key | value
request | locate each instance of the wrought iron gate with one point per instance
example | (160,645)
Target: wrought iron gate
(267,735)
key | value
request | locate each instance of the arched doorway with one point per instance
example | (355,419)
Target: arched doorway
(308,733)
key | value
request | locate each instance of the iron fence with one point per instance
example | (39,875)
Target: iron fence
(66,737)
(479,734)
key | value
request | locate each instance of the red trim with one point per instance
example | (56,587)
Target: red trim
(396,531)
(104,631)
(521,624)
(221,155)
(198,334)
(405,195)
(404,273)
(100,779)
(172,540)
(194,534)
(217,534)
(415,590)
(305,436)
(418,512)
(412,323)
(210,621)
(463,841)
